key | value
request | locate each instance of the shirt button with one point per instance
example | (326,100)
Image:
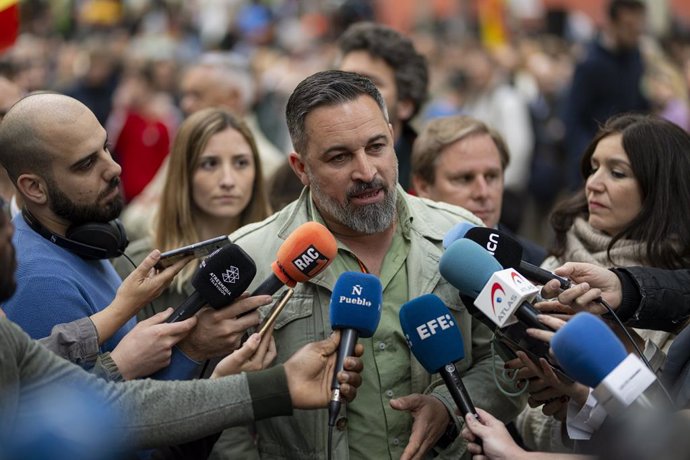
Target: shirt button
(396,441)
(382,346)
(341,424)
(389,393)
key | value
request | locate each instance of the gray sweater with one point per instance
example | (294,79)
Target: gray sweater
(155,413)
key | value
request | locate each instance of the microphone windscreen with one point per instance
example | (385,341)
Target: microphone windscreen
(468,267)
(458,231)
(431,332)
(506,249)
(224,275)
(305,253)
(587,349)
(356,303)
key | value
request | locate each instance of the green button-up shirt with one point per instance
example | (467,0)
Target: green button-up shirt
(380,431)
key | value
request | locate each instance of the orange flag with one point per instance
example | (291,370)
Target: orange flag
(492,22)
(9,22)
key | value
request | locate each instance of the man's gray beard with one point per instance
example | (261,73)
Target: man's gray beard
(369,219)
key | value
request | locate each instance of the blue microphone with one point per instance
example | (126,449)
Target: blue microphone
(355,309)
(587,349)
(468,267)
(458,231)
(435,340)
(590,352)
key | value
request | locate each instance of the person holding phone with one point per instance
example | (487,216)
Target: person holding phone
(212,187)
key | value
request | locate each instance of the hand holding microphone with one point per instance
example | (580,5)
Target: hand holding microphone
(220,279)
(592,283)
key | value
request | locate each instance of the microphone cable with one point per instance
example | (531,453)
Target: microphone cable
(610,311)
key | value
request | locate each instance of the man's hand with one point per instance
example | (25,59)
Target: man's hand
(593,282)
(430,422)
(255,354)
(219,332)
(139,288)
(146,283)
(310,372)
(148,347)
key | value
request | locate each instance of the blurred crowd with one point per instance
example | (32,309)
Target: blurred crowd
(194,119)
(131,63)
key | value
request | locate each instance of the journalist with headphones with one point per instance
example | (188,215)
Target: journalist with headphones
(56,153)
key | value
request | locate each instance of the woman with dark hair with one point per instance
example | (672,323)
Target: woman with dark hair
(634,207)
(633,211)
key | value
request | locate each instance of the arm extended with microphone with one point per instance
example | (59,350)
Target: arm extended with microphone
(220,279)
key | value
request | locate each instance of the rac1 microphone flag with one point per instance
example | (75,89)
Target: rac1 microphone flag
(355,309)
(221,278)
(436,341)
(308,250)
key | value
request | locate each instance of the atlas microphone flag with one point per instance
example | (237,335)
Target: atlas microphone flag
(9,23)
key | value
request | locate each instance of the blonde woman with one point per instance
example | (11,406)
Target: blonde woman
(213,187)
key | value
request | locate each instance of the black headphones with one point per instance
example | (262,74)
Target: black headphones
(91,241)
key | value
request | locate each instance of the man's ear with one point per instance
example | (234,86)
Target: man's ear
(404,109)
(422,187)
(298,166)
(33,188)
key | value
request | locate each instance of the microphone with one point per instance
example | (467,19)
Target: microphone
(221,278)
(590,352)
(458,231)
(355,309)
(508,251)
(435,340)
(304,254)
(502,295)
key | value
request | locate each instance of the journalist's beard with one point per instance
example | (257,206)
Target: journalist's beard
(77,214)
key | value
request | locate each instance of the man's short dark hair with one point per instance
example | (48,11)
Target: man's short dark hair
(616,6)
(410,67)
(328,88)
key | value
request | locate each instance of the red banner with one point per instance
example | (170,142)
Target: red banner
(9,23)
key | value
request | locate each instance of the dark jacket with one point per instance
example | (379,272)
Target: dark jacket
(654,298)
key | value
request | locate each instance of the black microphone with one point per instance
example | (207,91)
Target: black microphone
(508,251)
(355,309)
(436,341)
(221,278)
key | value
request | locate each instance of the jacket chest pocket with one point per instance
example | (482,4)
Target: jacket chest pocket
(297,324)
